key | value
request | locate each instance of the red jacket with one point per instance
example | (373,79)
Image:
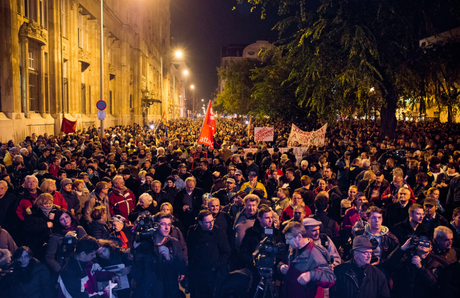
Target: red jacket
(121,202)
(59,200)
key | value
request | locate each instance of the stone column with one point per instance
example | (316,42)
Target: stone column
(25,75)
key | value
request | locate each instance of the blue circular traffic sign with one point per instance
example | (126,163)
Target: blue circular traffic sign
(101,105)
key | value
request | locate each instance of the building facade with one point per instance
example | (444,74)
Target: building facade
(50,64)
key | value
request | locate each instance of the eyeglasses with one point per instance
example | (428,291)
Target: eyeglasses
(290,238)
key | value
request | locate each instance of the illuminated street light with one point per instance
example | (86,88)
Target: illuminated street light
(192,86)
(179,54)
(202,99)
(185,72)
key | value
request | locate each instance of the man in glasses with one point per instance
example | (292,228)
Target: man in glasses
(416,269)
(357,277)
(307,270)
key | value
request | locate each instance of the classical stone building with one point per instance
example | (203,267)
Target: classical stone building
(50,64)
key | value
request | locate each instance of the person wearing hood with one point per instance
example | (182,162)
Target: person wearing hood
(384,241)
(70,196)
(121,199)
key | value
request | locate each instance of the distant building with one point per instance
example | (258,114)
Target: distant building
(238,52)
(50,62)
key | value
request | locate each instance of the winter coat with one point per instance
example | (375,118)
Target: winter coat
(188,217)
(403,231)
(395,214)
(411,281)
(6,241)
(79,279)
(453,196)
(368,192)
(121,202)
(387,243)
(374,283)
(54,255)
(32,281)
(138,210)
(156,275)
(311,258)
(36,231)
(72,200)
(98,230)
(251,239)
(58,200)
(207,250)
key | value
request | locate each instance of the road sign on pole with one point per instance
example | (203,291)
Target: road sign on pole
(101,105)
(101,115)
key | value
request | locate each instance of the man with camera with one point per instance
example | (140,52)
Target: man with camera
(412,226)
(159,263)
(416,269)
(263,227)
(208,252)
(306,268)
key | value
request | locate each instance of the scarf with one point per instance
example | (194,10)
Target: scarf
(46,210)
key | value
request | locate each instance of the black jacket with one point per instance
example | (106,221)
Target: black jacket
(188,217)
(207,250)
(395,214)
(403,231)
(138,209)
(251,239)
(157,275)
(98,230)
(374,283)
(411,281)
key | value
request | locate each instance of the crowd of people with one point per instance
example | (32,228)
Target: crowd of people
(148,212)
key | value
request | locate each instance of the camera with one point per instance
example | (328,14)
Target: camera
(266,252)
(145,227)
(414,241)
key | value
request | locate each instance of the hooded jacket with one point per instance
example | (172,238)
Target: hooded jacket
(387,243)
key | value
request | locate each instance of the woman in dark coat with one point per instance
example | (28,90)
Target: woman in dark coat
(98,228)
(30,278)
(64,227)
(38,223)
(146,203)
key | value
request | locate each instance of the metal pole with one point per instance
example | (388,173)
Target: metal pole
(161,86)
(102,63)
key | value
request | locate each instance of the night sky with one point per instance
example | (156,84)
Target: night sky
(202,27)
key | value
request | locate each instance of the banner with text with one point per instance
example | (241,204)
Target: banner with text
(262,134)
(305,139)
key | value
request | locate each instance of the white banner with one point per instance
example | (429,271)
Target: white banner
(306,139)
(264,134)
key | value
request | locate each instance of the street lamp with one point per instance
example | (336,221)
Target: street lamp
(179,54)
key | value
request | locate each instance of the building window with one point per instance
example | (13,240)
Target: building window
(31,60)
(130,101)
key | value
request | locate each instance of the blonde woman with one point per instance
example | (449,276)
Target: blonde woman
(49,186)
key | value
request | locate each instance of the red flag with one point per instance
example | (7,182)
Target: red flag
(68,126)
(208,128)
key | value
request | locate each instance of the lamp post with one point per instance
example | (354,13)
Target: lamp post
(193,98)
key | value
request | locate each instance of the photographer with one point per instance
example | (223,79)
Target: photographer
(158,261)
(307,268)
(416,269)
(255,234)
